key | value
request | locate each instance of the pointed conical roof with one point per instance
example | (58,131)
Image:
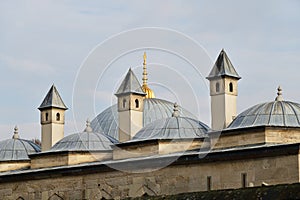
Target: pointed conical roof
(223,67)
(53,99)
(130,84)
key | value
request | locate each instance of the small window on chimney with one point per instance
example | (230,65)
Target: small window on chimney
(124,103)
(57,116)
(230,87)
(217,87)
(137,103)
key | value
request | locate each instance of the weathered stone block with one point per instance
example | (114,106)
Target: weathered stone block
(5,192)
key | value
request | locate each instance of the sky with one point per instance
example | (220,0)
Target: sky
(86,47)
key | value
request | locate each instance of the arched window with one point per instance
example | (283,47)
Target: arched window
(46,116)
(137,103)
(124,103)
(57,116)
(217,87)
(230,87)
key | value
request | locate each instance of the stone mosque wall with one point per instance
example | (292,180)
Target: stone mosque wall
(187,174)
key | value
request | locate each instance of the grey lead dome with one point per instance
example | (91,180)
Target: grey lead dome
(276,113)
(85,141)
(154,109)
(17,149)
(173,128)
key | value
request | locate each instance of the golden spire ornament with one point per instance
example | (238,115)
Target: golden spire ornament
(146,89)
(145,79)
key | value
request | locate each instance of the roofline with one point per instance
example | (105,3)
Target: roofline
(132,92)
(63,152)
(13,161)
(45,107)
(143,141)
(228,131)
(222,76)
(137,164)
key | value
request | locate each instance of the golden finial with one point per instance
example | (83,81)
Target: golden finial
(145,58)
(146,89)
(145,70)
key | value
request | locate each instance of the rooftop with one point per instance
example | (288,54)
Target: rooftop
(53,99)
(130,84)
(17,149)
(223,67)
(278,113)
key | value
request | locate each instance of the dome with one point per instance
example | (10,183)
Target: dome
(174,127)
(275,113)
(17,149)
(154,109)
(85,141)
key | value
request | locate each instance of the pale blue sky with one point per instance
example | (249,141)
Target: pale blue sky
(45,42)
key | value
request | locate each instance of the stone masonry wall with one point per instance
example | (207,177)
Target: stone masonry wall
(174,179)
